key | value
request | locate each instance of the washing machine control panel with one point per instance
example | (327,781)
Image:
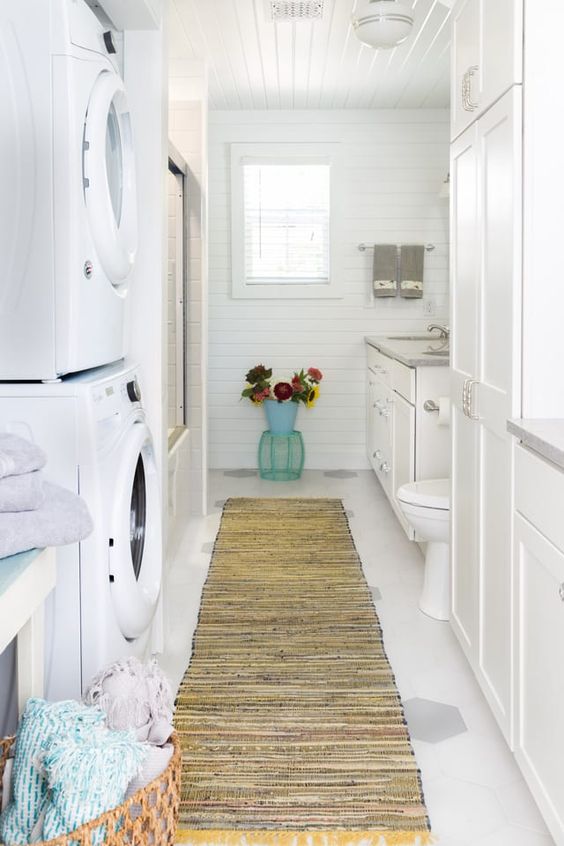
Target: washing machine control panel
(134,391)
(116,396)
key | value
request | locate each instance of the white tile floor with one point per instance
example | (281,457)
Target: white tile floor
(473,788)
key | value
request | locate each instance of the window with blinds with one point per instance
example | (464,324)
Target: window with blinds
(287,220)
(286,223)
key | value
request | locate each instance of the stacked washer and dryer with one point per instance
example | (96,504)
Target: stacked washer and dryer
(68,229)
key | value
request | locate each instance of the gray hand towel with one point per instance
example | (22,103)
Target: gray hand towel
(412,259)
(22,493)
(384,271)
(19,456)
(63,518)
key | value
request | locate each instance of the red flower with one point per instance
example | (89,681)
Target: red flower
(314,374)
(283,391)
(297,386)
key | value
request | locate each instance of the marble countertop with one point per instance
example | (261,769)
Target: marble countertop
(409,351)
(543,436)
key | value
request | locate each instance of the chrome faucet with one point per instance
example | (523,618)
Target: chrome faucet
(444,331)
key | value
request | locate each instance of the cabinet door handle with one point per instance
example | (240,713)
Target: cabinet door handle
(464,92)
(465,397)
(470,402)
(385,467)
(377,454)
(471,105)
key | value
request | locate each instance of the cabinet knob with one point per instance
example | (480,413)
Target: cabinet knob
(561,592)
(385,467)
(377,454)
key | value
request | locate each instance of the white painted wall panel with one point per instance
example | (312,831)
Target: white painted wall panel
(395,162)
(188,132)
(171,301)
(256,63)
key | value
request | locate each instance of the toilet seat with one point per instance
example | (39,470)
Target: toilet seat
(431,493)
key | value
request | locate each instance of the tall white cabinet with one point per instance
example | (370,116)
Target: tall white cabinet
(487,56)
(486,227)
(507,356)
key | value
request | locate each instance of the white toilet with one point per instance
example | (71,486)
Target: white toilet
(426,506)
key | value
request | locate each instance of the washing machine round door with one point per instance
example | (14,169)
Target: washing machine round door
(109,178)
(135,533)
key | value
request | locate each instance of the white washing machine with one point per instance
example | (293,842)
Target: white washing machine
(68,208)
(106,604)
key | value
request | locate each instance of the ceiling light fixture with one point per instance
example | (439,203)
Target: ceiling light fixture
(382,23)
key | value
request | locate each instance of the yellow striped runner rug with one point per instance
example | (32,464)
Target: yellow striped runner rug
(291,725)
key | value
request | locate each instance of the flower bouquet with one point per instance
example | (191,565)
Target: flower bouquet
(281,401)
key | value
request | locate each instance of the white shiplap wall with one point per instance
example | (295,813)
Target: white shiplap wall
(395,162)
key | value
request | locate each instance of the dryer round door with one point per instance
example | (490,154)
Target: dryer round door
(109,177)
(135,533)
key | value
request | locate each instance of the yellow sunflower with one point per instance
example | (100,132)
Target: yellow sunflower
(312,396)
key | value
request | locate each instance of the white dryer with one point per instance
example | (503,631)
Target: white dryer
(93,429)
(68,208)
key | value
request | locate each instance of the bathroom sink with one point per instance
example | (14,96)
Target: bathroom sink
(442,353)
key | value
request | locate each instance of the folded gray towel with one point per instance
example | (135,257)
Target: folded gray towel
(63,518)
(384,271)
(19,456)
(22,493)
(412,260)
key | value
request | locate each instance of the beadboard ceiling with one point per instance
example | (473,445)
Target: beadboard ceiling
(257,64)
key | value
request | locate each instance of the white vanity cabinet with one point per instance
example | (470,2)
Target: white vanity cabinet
(404,442)
(487,56)
(539,631)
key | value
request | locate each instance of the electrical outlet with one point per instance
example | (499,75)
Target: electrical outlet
(429,307)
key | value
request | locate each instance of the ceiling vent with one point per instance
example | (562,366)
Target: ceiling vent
(279,11)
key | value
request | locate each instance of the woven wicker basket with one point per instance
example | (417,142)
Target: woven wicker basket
(148,818)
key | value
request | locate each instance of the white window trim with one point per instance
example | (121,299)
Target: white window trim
(280,152)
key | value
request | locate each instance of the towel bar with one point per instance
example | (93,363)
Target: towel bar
(363,247)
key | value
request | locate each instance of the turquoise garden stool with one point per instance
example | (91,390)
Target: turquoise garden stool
(281,457)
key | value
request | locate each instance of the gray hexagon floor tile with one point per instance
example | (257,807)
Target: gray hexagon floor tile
(240,474)
(349,514)
(376,593)
(433,721)
(219,503)
(207,547)
(340,474)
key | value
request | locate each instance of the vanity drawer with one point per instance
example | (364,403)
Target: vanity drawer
(393,373)
(403,381)
(379,364)
(539,494)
